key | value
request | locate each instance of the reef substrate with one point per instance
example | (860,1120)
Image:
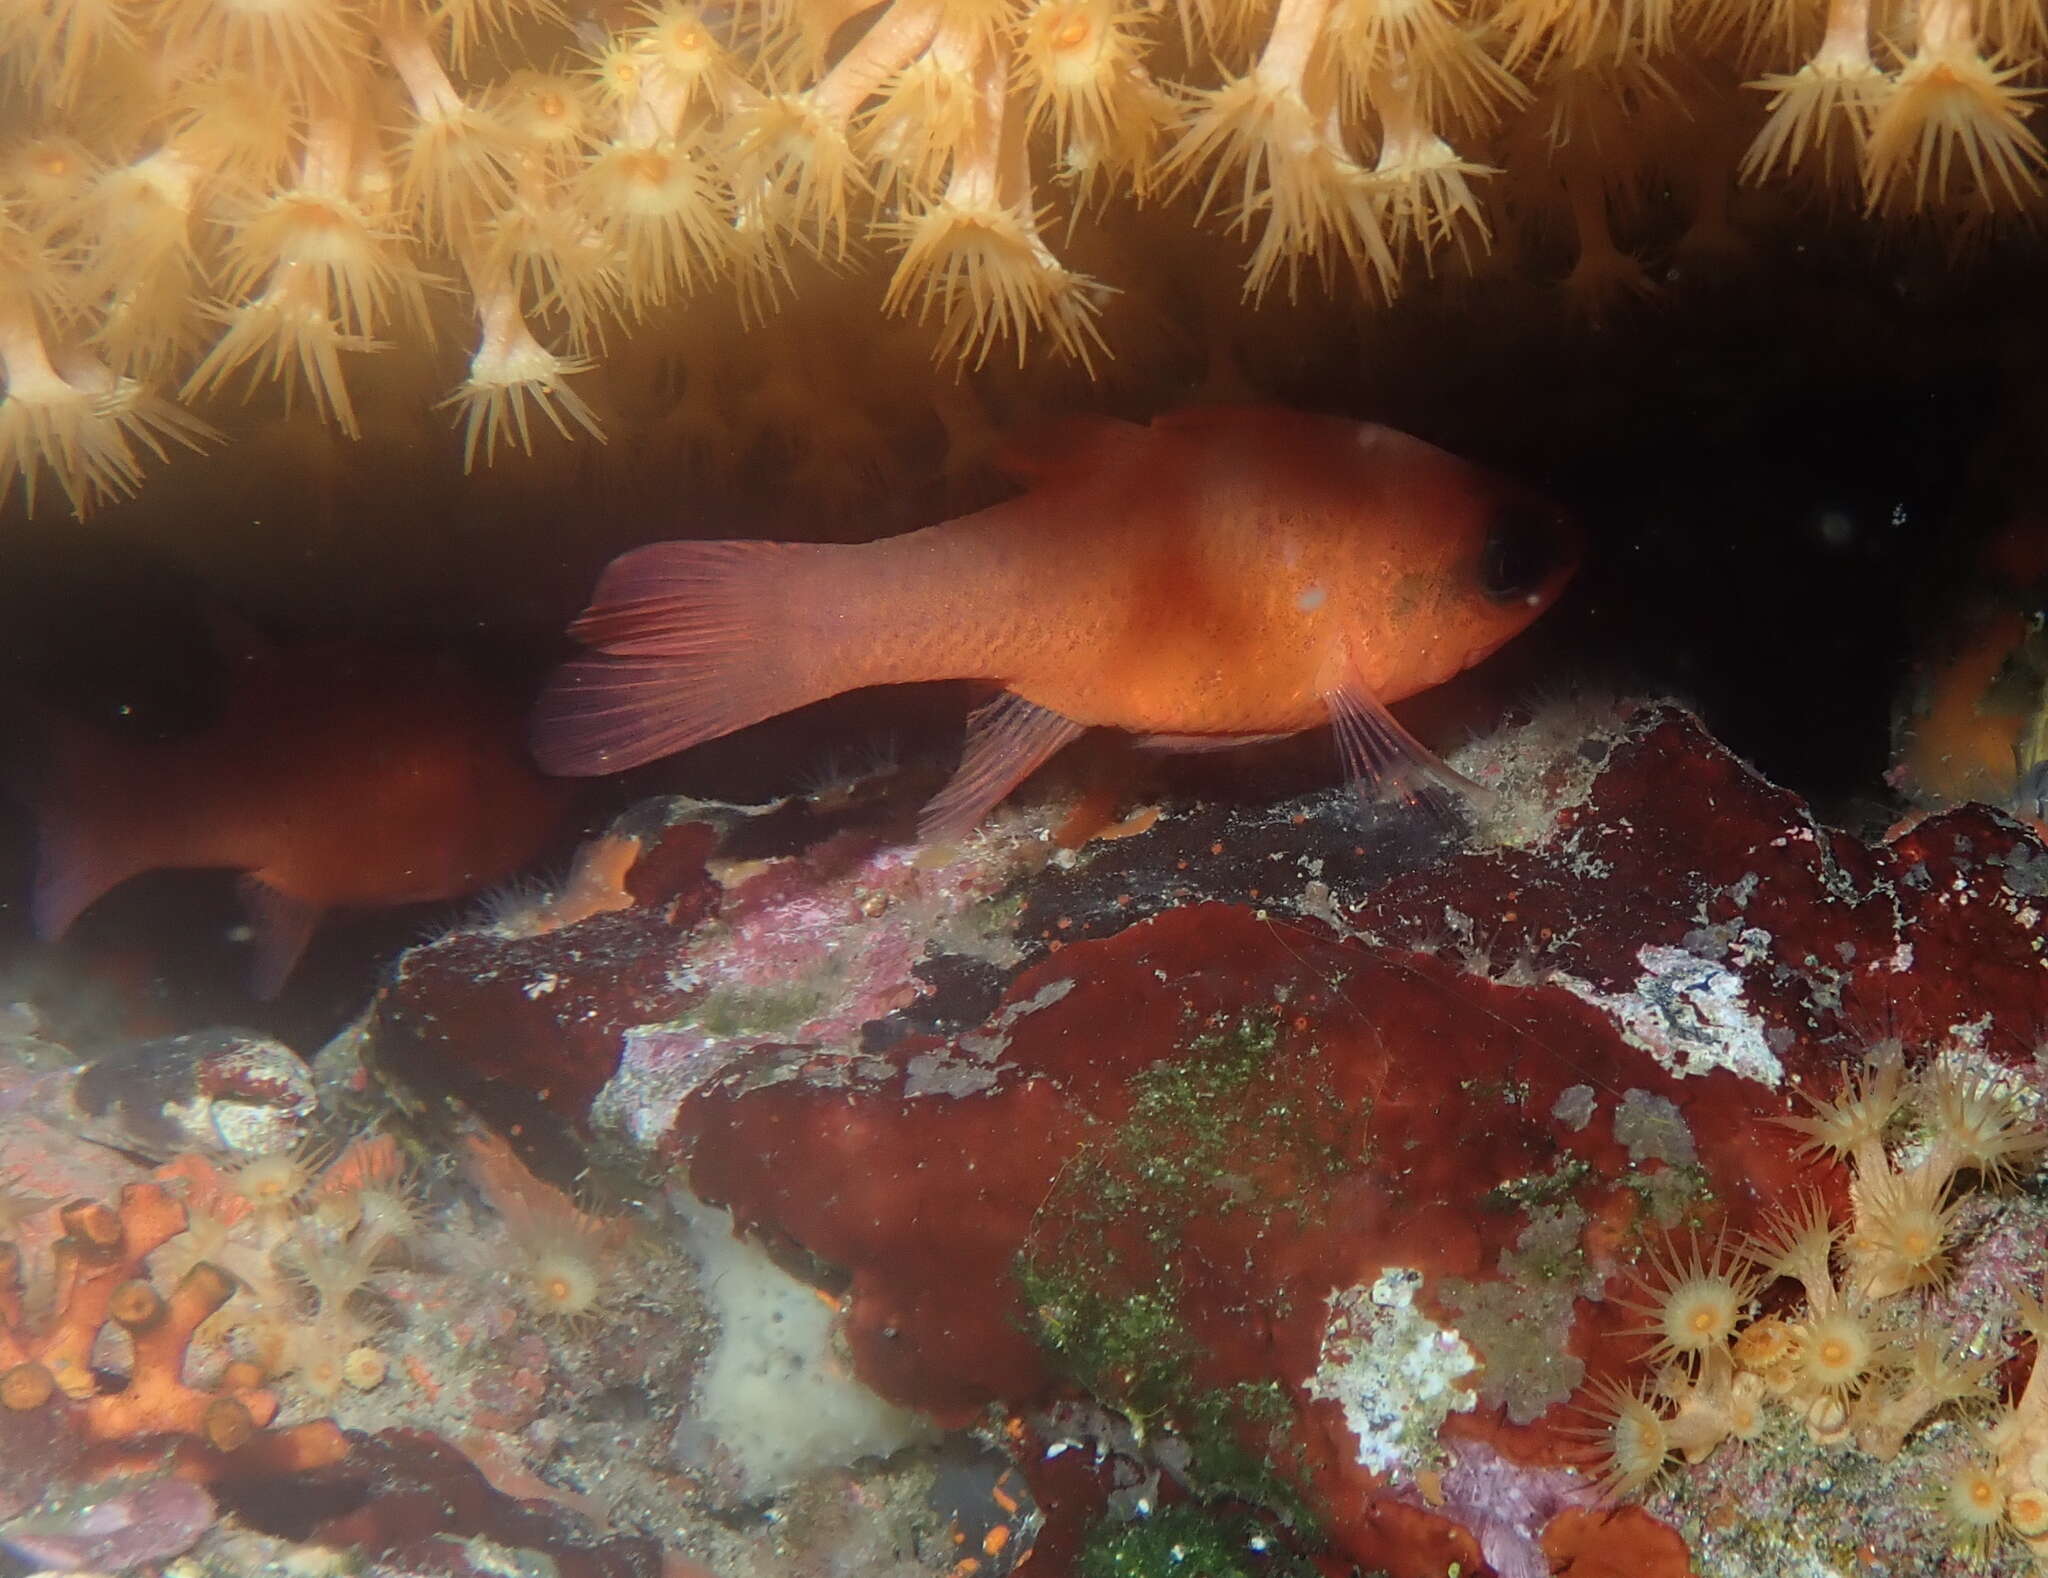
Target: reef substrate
(1292,1167)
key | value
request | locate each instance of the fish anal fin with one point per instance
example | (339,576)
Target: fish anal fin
(1379,753)
(1208,742)
(282,925)
(1007,741)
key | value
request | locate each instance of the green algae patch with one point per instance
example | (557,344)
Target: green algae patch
(1234,1139)
(1217,1426)
(1131,1349)
(1522,1323)
(1559,1187)
(1672,1197)
(1188,1542)
(1201,1126)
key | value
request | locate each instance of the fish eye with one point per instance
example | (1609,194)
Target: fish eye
(1527,542)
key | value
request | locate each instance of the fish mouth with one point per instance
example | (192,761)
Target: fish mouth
(1532,548)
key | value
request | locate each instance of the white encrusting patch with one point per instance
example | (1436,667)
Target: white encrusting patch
(1689,1012)
(774,1401)
(1312,597)
(1396,1373)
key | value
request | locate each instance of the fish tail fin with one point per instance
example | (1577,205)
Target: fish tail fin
(693,641)
(67,879)
(84,847)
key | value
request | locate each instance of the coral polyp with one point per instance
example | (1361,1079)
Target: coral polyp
(1630,1441)
(205,201)
(1696,1300)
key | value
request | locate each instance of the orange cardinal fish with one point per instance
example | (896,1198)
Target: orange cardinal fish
(1221,576)
(335,775)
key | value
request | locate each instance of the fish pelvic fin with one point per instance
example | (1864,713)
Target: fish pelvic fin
(689,646)
(1007,741)
(1378,753)
(282,925)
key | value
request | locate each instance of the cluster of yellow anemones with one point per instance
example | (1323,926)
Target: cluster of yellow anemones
(200,197)
(305,1236)
(1840,1359)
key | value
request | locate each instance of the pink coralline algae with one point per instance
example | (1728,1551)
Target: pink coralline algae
(728,943)
(1326,1150)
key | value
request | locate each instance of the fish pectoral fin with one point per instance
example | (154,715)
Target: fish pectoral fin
(1007,741)
(1378,752)
(282,926)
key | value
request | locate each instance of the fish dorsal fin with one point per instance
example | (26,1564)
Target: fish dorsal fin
(1239,425)
(283,925)
(1069,446)
(1007,741)
(1211,416)
(1275,431)
(1378,752)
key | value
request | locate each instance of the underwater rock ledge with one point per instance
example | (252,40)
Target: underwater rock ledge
(1330,1153)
